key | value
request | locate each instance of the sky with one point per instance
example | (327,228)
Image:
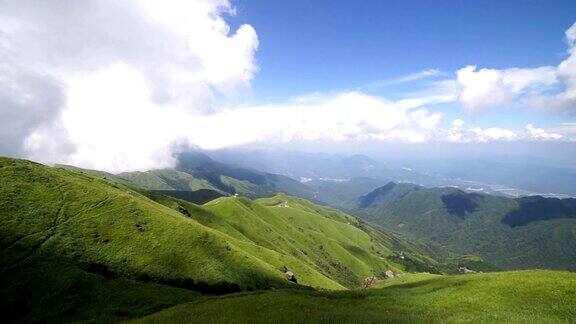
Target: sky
(122,86)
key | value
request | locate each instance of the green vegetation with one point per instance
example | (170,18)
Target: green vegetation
(51,289)
(82,245)
(512,297)
(509,233)
(82,229)
(342,194)
(200,196)
(308,236)
(197,171)
(323,238)
(167,179)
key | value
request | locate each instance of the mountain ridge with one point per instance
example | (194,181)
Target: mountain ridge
(529,232)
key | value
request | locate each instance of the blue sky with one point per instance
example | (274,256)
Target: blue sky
(324,46)
(307,46)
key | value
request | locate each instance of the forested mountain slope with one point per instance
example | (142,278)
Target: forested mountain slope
(530,232)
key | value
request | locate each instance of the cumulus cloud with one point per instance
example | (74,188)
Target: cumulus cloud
(493,134)
(98,83)
(489,88)
(545,88)
(459,134)
(540,133)
(344,116)
(457,123)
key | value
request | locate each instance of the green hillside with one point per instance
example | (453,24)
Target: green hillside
(533,232)
(343,193)
(167,179)
(199,196)
(512,297)
(324,238)
(66,233)
(196,171)
(80,245)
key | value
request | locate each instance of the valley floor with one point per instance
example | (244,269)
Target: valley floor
(511,297)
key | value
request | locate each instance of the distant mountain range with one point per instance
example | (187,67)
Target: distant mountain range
(502,175)
(196,171)
(511,233)
(316,166)
(528,232)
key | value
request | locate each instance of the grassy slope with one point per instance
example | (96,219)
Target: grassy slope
(74,226)
(196,171)
(169,179)
(65,232)
(50,289)
(166,179)
(47,210)
(322,237)
(512,297)
(421,213)
(76,247)
(342,194)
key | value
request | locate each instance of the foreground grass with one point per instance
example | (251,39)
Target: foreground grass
(48,289)
(406,278)
(517,297)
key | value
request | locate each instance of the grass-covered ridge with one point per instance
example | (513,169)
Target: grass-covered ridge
(509,297)
(65,232)
(55,211)
(196,171)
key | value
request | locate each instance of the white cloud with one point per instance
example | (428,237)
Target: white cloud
(404,79)
(540,134)
(544,88)
(567,130)
(489,88)
(417,76)
(457,134)
(350,116)
(493,134)
(345,116)
(457,123)
(571,35)
(102,83)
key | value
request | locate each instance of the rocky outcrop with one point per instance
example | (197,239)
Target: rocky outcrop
(289,275)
